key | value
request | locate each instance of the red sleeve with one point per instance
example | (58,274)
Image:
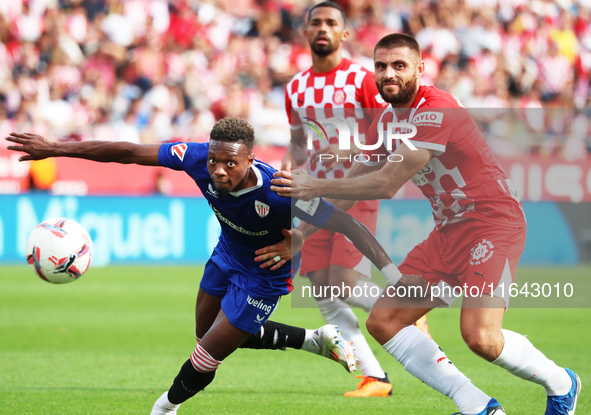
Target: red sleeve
(434,122)
(294,122)
(288,102)
(434,126)
(435,119)
(373,136)
(372,103)
(368,94)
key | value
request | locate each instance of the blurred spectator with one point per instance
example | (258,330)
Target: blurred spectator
(575,146)
(556,73)
(157,70)
(28,26)
(162,186)
(564,36)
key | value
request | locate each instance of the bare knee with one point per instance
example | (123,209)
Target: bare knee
(374,326)
(382,326)
(486,343)
(481,324)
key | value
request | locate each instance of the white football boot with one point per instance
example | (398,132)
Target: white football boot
(163,406)
(333,345)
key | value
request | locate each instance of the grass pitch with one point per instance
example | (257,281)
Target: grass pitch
(113,341)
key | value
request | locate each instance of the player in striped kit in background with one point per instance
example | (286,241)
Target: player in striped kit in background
(336,87)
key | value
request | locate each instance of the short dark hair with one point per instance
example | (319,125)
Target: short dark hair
(398,40)
(328,4)
(233,130)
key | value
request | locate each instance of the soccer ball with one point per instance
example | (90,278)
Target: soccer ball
(59,250)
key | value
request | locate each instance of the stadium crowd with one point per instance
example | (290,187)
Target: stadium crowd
(154,70)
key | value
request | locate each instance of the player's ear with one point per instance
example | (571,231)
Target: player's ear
(345,35)
(250,159)
(420,69)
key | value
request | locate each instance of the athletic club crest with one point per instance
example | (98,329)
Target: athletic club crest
(261,208)
(338,97)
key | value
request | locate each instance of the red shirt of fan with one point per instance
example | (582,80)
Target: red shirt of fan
(342,93)
(462,179)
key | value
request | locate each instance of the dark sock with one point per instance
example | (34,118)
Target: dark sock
(384,379)
(188,382)
(274,336)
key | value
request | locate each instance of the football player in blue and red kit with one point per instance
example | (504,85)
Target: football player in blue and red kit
(236,295)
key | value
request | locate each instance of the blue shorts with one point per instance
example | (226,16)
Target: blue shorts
(244,310)
(216,277)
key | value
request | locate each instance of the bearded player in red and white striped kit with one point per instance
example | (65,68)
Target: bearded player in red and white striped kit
(479,235)
(335,86)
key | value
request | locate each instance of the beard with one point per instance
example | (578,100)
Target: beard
(405,93)
(322,50)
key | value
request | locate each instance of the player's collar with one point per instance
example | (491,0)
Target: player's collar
(255,187)
(341,65)
(408,113)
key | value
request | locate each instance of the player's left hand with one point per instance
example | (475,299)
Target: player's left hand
(36,146)
(281,184)
(297,184)
(285,249)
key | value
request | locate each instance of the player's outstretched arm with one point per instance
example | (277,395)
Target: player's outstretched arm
(37,147)
(381,184)
(369,246)
(361,237)
(286,248)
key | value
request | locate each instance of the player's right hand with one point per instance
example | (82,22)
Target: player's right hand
(36,146)
(297,184)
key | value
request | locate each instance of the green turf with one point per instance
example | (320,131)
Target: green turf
(112,342)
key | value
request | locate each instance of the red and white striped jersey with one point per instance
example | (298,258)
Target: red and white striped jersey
(341,92)
(462,179)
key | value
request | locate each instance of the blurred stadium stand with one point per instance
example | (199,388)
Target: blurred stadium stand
(150,71)
(153,70)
